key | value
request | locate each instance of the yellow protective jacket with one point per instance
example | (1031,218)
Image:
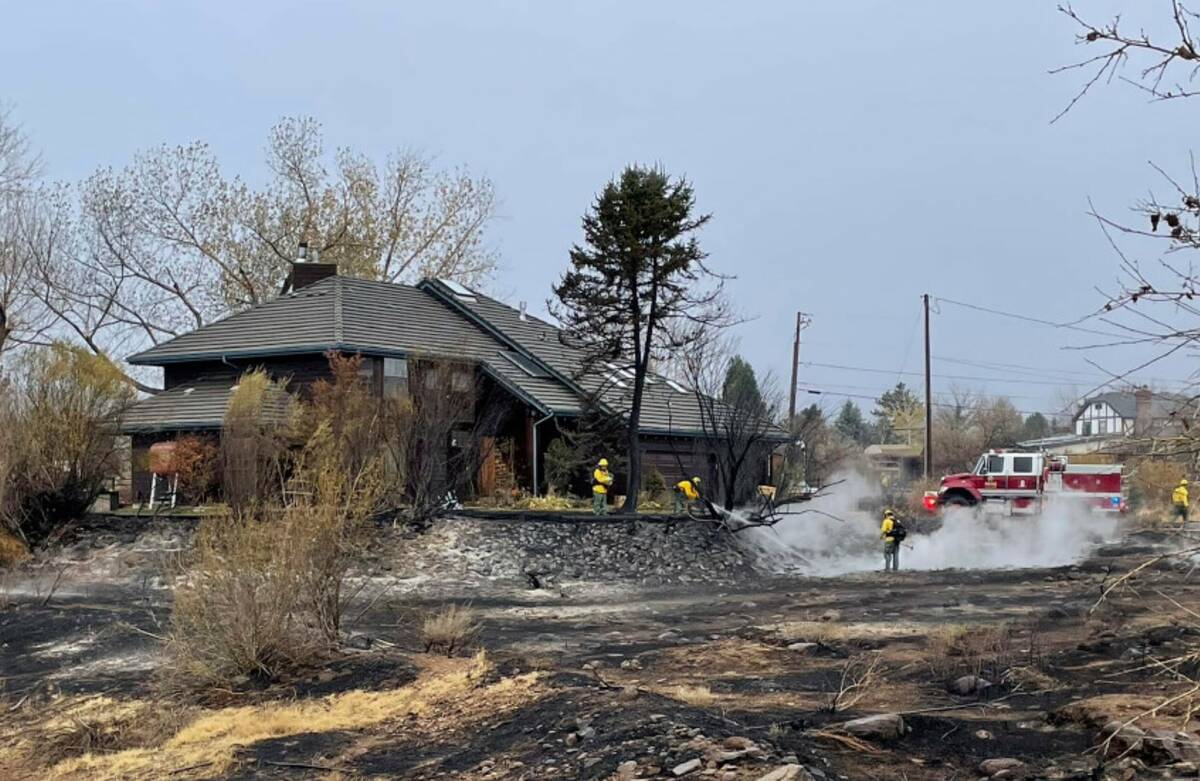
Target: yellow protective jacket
(603,479)
(885,530)
(1180,496)
(688,490)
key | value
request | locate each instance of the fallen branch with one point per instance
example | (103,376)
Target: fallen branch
(849,741)
(1139,568)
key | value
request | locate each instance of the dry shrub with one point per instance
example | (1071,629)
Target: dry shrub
(63,406)
(263,589)
(438,436)
(1150,485)
(450,629)
(196,460)
(859,676)
(983,651)
(255,439)
(12,550)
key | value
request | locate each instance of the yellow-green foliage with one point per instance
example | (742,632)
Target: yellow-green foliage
(60,415)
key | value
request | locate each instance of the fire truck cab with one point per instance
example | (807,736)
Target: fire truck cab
(1022,481)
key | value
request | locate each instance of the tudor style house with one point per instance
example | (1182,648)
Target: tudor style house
(520,359)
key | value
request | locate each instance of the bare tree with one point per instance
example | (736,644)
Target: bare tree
(1167,58)
(19,168)
(171,243)
(738,419)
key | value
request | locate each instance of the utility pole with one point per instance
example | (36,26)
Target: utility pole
(928,398)
(801,321)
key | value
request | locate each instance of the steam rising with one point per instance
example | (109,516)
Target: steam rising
(817,544)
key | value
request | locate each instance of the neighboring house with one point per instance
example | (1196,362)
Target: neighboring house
(1107,420)
(397,328)
(1140,412)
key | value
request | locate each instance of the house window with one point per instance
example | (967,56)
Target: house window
(395,378)
(460,382)
(1022,465)
(1102,426)
(1087,428)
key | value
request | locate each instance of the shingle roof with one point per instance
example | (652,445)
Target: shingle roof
(666,406)
(343,313)
(192,407)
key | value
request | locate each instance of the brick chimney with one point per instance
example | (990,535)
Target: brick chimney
(1142,421)
(306,270)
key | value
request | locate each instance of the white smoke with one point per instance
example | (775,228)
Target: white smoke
(831,536)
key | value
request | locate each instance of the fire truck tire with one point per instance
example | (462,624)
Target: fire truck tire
(957,501)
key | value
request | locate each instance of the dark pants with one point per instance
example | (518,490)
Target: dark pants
(680,502)
(1181,512)
(891,556)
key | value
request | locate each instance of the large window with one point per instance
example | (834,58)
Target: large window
(395,378)
(995,465)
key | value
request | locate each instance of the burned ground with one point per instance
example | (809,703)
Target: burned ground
(588,675)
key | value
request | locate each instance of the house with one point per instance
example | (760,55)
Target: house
(528,364)
(1140,412)
(1109,422)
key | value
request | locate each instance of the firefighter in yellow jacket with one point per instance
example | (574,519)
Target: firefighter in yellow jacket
(1179,498)
(601,480)
(891,545)
(686,491)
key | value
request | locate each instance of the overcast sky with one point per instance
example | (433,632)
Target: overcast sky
(854,155)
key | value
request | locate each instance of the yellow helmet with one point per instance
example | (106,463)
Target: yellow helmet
(604,462)
(888,513)
(696,480)
(1183,481)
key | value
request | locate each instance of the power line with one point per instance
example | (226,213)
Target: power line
(1028,319)
(1015,380)
(816,392)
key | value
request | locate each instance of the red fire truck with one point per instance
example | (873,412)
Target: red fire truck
(1023,482)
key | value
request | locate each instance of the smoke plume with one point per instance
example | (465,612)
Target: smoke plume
(832,536)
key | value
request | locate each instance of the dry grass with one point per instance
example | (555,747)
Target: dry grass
(449,693)
(450,630)
(984,651)
(696,696)
(823,632)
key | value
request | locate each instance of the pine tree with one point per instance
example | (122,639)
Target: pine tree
(636,281)
(741,385)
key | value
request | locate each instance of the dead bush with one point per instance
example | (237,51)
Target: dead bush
(859,676)
(694,695)
(1150,486)
(983,651)
(449,630)
(12,550)
(263,589)
(58,446)
(255,442)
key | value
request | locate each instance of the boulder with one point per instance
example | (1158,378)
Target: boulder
(627,771)
(969,684)
(885,726)
(990,767)
(684,768)
(804,648)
